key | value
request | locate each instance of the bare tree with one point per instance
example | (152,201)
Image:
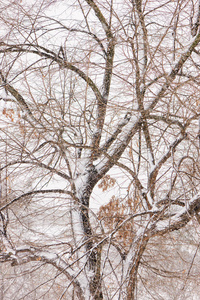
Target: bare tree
(96,97)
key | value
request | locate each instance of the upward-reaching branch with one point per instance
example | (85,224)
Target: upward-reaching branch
(172,75)
(101,110)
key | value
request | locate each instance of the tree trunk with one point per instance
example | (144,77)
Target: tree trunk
(131,267)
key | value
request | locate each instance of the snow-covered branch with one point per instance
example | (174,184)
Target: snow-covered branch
(177,220)
(25,255)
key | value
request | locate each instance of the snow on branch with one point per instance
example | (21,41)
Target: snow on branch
(115,134)
(23,255)
(176,221)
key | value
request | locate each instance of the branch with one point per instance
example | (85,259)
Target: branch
(164,158)
(32,254)
(120,145)
(35,193)
(114,136)
(17,96)
(101,18)
(133,125)
(44,52)
(94,36)
(42,165)
(195,26)
(159,227)
(170,78)
(136,180)
(177,221)
(166,120)
(101,112)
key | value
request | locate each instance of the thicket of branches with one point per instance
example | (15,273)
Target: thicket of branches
(99,149)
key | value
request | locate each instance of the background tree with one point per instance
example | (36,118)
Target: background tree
(98,96)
